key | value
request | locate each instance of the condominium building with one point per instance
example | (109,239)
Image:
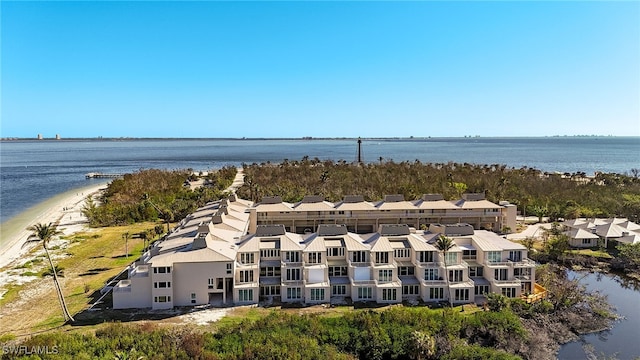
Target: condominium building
(233,252)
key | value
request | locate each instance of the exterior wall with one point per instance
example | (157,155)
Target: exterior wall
(193,278)
(578,243)
(136,295)
(509,214)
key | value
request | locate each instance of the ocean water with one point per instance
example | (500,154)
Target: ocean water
(33,171)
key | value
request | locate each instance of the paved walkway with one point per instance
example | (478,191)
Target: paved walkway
(237,182)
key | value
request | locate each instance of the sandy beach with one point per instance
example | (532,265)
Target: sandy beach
(65,208)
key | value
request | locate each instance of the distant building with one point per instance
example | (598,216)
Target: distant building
(234,252)
(40,137)
(57,136)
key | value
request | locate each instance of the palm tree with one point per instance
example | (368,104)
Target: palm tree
(444,244)
(44,233)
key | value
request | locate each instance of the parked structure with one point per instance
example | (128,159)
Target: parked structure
(231,252)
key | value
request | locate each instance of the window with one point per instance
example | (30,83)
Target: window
(211,282)
(522,273)
(389,294)
(270,271)
(358,256)
(292,256)
(162,284)
(269,253)
(385,275)
(162,299)
(476,271)
(481,289)
(436,293)
(402,253)
(162,270)
(269,290)
(337,271)
(431,274)
(500,274)
(468,254)
(382,257)
(410,290)
(294,293)
(246,276)
(247,258)
(315,257)
(455,275)
(515,255)
(365,293)
(426,256)
(494,256)
(451,258)
(317,294)
(509,292)
(193,298)
(406,270)
(335,252)
(339,290)
(245,295)
(461,295)
(293,274)
(229,268)
(586,241)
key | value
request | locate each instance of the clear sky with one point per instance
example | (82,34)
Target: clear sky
(321,69)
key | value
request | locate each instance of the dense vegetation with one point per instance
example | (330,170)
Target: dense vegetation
(396,333)
(151,194)
(554,195)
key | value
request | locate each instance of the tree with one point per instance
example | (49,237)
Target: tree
(126,236)
(44,233)
(444,244)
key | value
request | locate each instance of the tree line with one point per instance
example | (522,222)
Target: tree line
(149,195)
(535,192)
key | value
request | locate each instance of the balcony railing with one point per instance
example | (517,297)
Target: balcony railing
(514,282)
(510,263)
(358,264)
(293,264)
(123,286)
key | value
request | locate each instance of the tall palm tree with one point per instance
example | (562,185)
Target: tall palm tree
(44,233)
(444,244)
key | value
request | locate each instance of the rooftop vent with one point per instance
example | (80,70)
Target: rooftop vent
(432,197)
(473,196)
(394,198)
(394,229)
(310,199)
(331,229)
(270,230)
(353,199)
(271,200)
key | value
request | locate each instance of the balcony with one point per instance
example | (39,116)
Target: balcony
(358,264)
(122,286)
(510,263)
(139,271)
(240,265)
(512,282)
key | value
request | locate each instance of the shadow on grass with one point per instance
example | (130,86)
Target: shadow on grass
(94,271)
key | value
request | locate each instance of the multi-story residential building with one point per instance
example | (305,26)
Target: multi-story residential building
(233,252)
(363,217)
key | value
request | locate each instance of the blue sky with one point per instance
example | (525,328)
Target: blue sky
(321,69)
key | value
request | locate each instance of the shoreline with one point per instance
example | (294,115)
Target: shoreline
(65,208)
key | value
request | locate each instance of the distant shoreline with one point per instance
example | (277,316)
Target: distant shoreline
(310,138)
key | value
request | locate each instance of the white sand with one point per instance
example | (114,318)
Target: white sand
(65,208)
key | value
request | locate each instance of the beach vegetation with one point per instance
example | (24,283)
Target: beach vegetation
(149,195)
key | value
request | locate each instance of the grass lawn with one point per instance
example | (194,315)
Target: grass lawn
(91,259)
(591,252)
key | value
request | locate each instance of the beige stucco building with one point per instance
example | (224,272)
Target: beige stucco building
(234,252)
